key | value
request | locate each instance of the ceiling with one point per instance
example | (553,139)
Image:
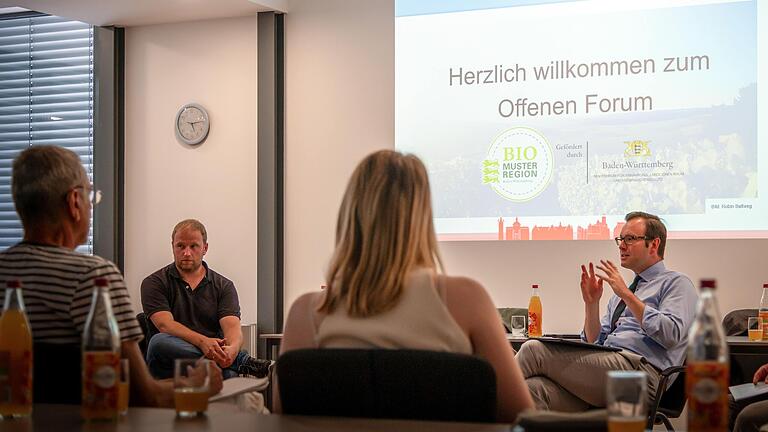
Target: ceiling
(127,13)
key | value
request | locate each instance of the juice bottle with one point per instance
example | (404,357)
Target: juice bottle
(101,357)
(763,313)
(15,355)
(534,314)
(707,372)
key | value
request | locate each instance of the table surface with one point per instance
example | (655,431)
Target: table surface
(66,418)
(731,340)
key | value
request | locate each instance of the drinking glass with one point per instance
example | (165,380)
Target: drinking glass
(626,398)
(517,324)
(123,387)
(191,381)
(755,328)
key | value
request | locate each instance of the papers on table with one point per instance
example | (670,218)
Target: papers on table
(238,385)
(748,390)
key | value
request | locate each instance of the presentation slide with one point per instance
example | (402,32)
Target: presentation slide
(550,120)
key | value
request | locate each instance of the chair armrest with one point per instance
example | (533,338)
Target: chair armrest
(671,370)
(660,389)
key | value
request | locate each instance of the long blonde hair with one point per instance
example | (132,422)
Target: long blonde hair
(384,231)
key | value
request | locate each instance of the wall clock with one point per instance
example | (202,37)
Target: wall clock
(192,124)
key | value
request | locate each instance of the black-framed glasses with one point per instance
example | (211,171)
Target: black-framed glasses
(94,195)
(630,239)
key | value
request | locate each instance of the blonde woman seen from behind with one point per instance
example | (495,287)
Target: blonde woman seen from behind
(385,291)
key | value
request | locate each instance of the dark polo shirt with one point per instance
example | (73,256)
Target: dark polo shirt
(199,309)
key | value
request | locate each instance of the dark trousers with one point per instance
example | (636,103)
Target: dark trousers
(748,415)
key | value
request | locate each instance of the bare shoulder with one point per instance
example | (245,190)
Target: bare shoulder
(460,284)
(306,301)
(299,329)
(463,290)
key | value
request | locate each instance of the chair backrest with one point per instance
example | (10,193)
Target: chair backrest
(377,383)
(673,400)
(735,321)
(57,373)
(149,330)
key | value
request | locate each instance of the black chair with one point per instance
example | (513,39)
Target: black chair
(149,330)
(669,402)
(743,366)
(57,375)
(379,383)
(735,321)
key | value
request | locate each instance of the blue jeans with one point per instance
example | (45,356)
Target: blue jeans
(163,349)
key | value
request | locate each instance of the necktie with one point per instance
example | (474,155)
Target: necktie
(621,306)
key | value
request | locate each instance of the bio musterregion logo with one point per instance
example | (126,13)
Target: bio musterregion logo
(519,164)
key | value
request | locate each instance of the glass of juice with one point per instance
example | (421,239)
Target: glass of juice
(123,387)
(191,380)
(626,397)
(755,328)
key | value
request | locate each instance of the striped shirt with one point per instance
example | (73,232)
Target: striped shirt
(57,288)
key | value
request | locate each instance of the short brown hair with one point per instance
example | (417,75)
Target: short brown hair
(42,176)
(654,229)
(190,223)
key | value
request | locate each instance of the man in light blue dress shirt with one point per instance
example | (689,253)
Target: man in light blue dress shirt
(648,320)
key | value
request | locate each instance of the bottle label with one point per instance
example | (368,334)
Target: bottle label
(763,314)
(15,378)
(100,390)
(534,327)
(706,383)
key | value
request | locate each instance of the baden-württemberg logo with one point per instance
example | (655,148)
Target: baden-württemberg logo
(637,148)
(519,164)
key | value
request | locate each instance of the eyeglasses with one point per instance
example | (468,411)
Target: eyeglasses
(630,239)
(94,195)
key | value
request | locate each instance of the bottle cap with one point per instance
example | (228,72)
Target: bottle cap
(100,282)
(13,283)
(535,286)
(765,285)
(707,283)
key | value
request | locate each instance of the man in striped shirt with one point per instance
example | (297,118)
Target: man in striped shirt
(53,198)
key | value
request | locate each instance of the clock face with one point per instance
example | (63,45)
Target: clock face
(192,124)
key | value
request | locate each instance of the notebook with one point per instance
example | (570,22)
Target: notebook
(748,390)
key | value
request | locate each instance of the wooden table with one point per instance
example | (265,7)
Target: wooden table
(66,418)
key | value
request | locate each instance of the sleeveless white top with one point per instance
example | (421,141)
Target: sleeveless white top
(419,320)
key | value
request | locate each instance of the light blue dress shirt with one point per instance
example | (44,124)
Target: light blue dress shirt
(670,303)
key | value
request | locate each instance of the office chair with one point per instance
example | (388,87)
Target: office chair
(149,330)
(57,373)
(380,383)
(669,402)
(506,315)
(735,321)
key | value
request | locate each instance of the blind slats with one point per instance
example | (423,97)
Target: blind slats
(46,97)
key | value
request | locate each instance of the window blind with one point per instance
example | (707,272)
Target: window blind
(46,97)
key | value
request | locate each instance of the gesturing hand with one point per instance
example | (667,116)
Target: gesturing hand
(613,277)
(591,285)
(761,375)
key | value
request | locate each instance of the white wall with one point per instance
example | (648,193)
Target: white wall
(340,105)
(213,63)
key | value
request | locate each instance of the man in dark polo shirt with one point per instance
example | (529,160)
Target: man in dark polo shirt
(195,309)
